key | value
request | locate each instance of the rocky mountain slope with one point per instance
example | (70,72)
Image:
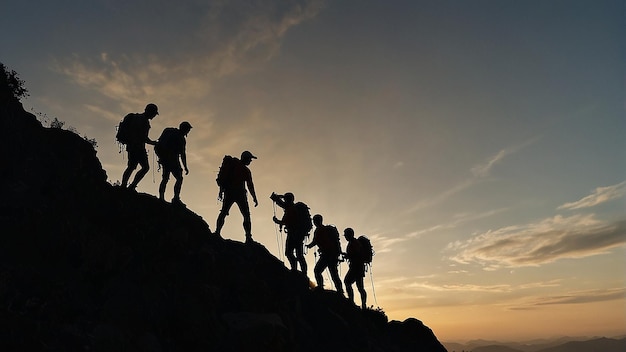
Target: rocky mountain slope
(563,344)
(86,266)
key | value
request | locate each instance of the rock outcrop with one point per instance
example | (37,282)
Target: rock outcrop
(87,266)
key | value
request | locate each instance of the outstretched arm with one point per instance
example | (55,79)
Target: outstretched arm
(252,191)
(183,158)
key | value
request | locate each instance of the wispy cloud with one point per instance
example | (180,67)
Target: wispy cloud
(539,243)
(584,297)
(225,37)
(456,221)
(384,243)
(425,283)
(484,169)
(600,195)
(479,172)
(574,297)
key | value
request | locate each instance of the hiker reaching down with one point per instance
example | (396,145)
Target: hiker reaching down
(326,238)
(297,221)
(171,150)
(133,131)
(356,267)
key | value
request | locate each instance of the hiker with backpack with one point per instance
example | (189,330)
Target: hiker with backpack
(356,256)
(297,222)
(133,132)
(232,179)
(171,150)
(326,238)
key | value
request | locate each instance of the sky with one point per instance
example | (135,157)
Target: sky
(479,144)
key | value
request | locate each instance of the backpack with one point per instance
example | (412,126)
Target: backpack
(330,241)
(303,217)
(226,170)
(367,250)
(167,143)
(127,129)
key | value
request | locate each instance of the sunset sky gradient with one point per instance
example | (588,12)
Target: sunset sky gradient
(480,144)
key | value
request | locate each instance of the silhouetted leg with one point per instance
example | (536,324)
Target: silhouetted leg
(348,280)
(300,257)
(220,222)
(319,268)
(359,285)
(247,224)
(289,254)
(138,176)
(163,185)
(143,162)
(178,174)
(227,203)
(334,274)
(245,212)
(132,165)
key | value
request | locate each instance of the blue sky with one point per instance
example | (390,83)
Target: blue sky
(480,144)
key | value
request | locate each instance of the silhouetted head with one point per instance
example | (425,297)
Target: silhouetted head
(317,220)
(246,157)
(289,197)
(348,233)
(151,110)
(185,127)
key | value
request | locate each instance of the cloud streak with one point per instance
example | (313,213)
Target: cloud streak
(484,169)
(479,172)
(573,297)
(228,37)
(540,243)
(600,195)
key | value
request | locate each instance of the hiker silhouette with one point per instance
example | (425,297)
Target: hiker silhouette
(356,267)
(135,128)
(297,221)
(232,180)
(171,150)
(326,238)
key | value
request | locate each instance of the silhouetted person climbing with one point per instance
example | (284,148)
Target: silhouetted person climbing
(171,150)
(133,131)
(232,179)
(326,238)
(297,221)
(356,267)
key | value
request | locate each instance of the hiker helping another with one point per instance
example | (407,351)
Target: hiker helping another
(357,256)
(326,238)
(171,150)
(297,222)
(133,132)
(232,179)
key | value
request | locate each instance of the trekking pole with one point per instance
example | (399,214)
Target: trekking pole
(372,281)
(278,238)
(153,159)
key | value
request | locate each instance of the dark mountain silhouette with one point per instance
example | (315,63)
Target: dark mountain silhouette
(602,344)
(565,344)
(86,266)
(495,348)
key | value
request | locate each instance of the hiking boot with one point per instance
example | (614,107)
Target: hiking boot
(177,201)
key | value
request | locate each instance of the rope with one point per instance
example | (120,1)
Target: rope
(279,238)
(372,281)
(153,179)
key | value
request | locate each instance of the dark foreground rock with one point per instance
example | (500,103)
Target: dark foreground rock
(86,266)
